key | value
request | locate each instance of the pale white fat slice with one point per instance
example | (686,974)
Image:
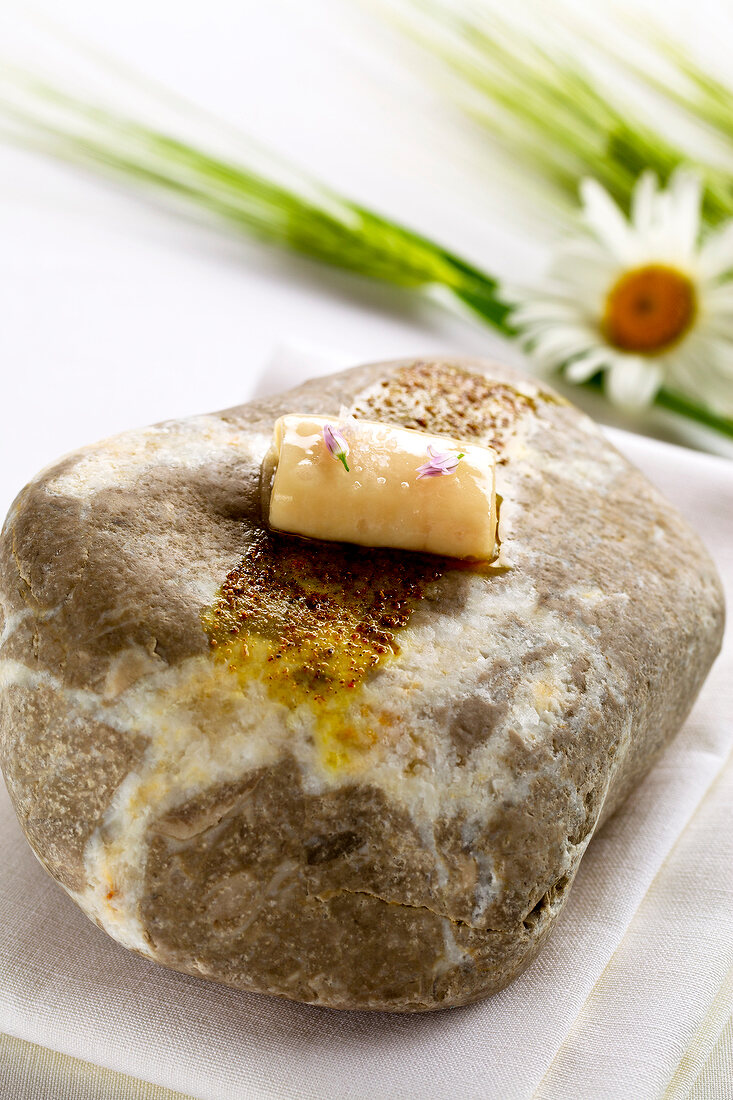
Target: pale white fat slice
(380,500)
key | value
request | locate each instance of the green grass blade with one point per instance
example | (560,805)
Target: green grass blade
(547,109)
(325,227)
(313,222)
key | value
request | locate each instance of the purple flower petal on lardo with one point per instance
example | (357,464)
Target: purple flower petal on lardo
(336,444)
(439,464)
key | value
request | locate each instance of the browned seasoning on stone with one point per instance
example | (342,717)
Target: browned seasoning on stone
(442,398)
(312,618)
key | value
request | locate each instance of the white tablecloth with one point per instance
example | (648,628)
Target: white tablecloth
(627,1000)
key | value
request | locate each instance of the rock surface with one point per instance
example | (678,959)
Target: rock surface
(358,779)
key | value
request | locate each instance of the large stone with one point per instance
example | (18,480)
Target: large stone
(359,779)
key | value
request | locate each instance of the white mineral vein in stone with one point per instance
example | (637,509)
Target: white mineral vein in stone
(13,621)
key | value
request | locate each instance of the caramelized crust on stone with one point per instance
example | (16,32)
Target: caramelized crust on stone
(359,780)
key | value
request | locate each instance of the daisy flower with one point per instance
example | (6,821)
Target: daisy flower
(642,299)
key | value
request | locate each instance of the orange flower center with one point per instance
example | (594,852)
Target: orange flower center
(649,309)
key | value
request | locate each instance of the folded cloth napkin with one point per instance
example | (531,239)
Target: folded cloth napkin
(627,999)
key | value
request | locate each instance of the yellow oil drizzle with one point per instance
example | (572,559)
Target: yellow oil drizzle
(312,621)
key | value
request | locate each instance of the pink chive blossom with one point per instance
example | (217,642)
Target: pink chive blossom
(438,464)
(336,444)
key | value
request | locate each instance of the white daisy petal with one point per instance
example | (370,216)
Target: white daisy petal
(642,201)
(555,346)
(682,368)
(717,326)
(560,335)
(706,342)
(659,238)
(583,279)
(583,368)
(715,257)
(719,361)
(603,216)
(721,398)
(706,371)
(717,298)
(685,191)
(584,249)
(719,386)
(632,382)
(569,262)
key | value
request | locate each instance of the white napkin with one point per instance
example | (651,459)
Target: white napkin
(627,999)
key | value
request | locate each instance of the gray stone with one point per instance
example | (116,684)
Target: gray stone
(358,779)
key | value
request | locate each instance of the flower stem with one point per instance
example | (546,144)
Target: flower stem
(675,403)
